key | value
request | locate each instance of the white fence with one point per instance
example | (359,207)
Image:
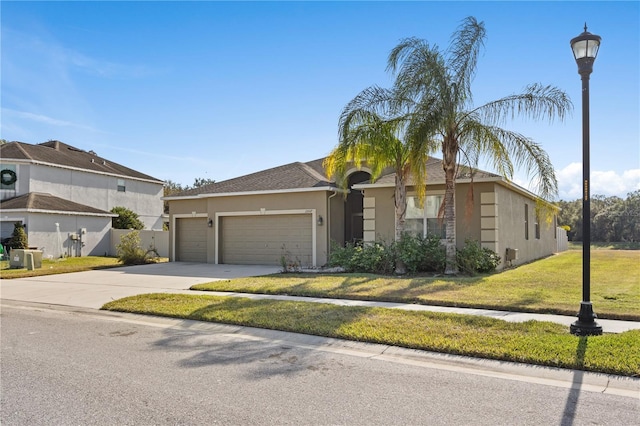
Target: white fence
(149,239)
(562,240)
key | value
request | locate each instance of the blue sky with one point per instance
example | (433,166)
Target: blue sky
(185,90)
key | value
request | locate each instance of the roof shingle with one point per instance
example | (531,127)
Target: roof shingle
(47,202)
(59,153)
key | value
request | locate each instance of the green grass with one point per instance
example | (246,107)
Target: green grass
(551,285)
(59,266)
(532,342)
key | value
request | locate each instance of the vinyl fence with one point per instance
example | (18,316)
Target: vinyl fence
(149,239)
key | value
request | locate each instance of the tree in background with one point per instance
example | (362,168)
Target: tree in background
(198,182)
(613,219)
(127,219)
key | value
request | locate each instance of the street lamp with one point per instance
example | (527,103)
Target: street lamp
(585,49)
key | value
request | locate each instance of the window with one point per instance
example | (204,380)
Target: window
(121,185)
(537,226)
(424,220)
(9,176)
(526,221)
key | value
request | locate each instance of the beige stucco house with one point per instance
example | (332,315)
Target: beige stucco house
(295,211)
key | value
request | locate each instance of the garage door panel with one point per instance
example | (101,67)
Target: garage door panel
(191,240)
(265,239)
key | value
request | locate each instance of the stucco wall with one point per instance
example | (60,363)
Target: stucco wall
(317,200)
(467,225)
(42,232)
(496,219)
(95,190)
(512,227)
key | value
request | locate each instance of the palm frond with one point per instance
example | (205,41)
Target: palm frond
(535,102)
(464,49)
(506,149)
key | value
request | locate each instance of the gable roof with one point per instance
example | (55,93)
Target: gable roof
(296,177)
(60,154)
(435,175)
(37,202)
(288,177)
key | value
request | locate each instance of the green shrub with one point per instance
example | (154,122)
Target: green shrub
(129,251)
(473,258)
(433,254)
(127,219)
(19,238)
(417,253)
(373,258)
(410,250)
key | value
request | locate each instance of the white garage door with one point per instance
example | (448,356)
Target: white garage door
(191,239)
(263,240)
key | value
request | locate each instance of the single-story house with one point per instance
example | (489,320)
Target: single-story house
(295,211)
(63,196)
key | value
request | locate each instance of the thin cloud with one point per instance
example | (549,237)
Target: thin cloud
(68,58)
(45,119)
(194,160)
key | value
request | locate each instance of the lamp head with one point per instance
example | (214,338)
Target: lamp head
(585,49)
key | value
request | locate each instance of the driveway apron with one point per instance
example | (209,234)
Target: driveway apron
(92,289)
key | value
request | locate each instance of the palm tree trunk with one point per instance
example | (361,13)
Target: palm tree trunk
(400,196)
(449,166)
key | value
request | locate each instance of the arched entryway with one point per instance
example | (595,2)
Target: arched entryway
(354,229)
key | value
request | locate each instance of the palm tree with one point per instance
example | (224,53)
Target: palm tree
(437,85)
(372,131)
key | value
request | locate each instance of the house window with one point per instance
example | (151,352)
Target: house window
(424,220)
(121,185)
(526,221)
(9,176)
(537,226)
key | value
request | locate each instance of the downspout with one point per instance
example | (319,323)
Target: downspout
(335,192)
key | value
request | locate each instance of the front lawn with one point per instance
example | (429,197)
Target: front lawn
(551,285)
(60,266)
(532,342)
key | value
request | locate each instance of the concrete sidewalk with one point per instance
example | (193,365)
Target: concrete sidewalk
(92,289)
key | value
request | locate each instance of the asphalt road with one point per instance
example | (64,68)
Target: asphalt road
(68,366)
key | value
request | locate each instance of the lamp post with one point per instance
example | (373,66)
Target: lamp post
(585,49)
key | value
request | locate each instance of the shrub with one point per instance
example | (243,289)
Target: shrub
(373,258)
(473,258)
(417,253)
(129,251)
(410,250)
(127,219)
(287,262)
(19,238)
(433,254)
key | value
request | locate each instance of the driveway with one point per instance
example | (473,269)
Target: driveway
(92,289)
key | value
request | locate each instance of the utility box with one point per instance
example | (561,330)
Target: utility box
(512,254)
(23,258)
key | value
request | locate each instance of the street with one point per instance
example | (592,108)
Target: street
(80,366)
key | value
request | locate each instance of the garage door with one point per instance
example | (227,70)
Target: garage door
(191,239)
(263,240)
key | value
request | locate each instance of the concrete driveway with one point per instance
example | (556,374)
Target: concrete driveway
(92,289)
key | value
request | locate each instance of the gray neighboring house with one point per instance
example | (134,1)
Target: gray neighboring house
(295,212)
(63,196)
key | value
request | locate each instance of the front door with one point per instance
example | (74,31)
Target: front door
(354,224)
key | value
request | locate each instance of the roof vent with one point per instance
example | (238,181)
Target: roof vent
(92,160)
(104,163)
